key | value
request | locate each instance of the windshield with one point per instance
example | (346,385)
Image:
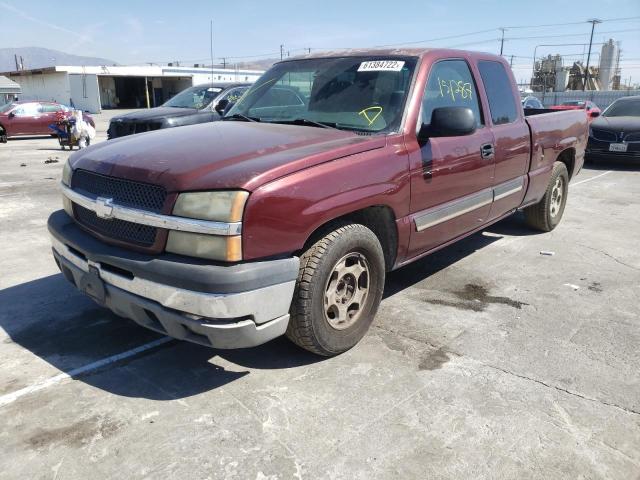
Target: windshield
(623,108)
(574,104)
(351,93)
(194,97)
(6,107)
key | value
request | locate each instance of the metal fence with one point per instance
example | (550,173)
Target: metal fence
(603,98)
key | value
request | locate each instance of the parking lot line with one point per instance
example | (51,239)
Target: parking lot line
(13,396)
(591,178)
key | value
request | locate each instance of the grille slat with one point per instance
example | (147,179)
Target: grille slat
(604,135)
(123,192)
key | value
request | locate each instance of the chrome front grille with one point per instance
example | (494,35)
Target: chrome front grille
(123,192)
(604,135)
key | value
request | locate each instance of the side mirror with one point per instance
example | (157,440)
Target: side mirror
(449,122)
(221,105)
(594,114)
(12,114)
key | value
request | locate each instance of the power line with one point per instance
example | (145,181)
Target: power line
(572,23)
(570,35)
(437,39)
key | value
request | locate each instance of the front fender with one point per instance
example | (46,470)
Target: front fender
(281,215)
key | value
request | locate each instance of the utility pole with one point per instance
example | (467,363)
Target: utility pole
(309,50)
(511,61)
(502,39)
(211,47)
(281,52)
(593,22)
(224,62)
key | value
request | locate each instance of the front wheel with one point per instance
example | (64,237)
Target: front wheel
(338,291)
(547,213)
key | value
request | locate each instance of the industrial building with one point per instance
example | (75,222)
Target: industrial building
(93,88)
(8,90)
(551,75)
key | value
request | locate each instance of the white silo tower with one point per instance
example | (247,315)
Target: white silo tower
(607,64)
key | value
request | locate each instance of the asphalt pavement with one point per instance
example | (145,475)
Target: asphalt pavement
(488,359)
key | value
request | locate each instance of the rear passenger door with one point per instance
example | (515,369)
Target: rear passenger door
(49,111)
(511,134)
(451,185)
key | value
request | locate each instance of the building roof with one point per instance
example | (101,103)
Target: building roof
(9,86)
(134,70)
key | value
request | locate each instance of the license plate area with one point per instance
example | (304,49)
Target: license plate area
(618,147)
(92,285)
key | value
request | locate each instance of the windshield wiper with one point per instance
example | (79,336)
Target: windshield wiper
(239,116)
(306,121)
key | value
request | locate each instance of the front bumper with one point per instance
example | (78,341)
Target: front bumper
(221,306)
(598,151)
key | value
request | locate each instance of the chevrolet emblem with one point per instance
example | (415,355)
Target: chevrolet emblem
(104,207)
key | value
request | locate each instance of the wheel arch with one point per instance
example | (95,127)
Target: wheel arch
(568,157)
(380,219)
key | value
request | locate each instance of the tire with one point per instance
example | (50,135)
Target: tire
(547,213)
(338,290)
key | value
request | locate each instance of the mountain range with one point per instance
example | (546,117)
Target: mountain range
(37,57)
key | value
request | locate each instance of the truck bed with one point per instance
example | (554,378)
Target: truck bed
(553,132)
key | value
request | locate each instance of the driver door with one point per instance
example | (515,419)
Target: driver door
(451,177)
(24,118)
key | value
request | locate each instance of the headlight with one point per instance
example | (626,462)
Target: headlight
(213,247)
(216,206)
(67,171)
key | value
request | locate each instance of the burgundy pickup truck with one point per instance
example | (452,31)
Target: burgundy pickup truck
(283,218)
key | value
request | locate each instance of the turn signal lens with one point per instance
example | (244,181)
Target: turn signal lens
(213,247)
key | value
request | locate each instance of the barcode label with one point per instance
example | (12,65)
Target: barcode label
(381,66)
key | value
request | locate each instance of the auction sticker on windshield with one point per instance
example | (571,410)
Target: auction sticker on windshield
(381,66)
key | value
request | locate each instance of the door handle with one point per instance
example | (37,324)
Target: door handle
(487,150)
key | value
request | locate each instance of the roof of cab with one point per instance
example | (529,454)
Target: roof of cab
(364,52)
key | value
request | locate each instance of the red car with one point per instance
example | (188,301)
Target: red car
(592,109)
(32,118)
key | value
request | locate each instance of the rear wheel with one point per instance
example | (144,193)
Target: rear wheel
(547,213)
(338,292)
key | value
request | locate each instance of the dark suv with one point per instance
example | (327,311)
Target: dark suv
(199,104)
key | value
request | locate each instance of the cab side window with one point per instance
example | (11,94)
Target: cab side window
(450,85)
(497,84)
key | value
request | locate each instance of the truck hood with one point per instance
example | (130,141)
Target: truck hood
(221,155)
(617,124)
(155,113)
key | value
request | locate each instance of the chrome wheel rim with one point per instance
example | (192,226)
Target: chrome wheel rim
(557,196)
(346,291)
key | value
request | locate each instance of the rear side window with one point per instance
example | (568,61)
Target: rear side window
(49,108)
(499,92)
(450,85)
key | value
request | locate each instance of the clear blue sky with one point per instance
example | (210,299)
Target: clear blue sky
(138,31)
